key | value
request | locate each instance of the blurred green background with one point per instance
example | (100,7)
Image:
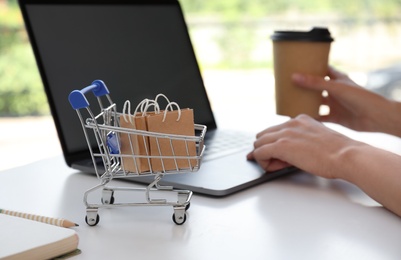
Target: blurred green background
(21,91)
(227,35)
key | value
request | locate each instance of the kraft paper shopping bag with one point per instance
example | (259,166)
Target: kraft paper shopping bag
(135,149)
(176,122)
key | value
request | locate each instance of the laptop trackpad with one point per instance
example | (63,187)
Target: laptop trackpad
(222,177)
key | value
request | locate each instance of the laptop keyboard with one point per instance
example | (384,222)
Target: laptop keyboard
(225,143)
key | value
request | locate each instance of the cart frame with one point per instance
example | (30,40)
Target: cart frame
(104,127)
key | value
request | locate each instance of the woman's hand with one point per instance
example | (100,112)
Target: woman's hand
(301,142)
(353,106)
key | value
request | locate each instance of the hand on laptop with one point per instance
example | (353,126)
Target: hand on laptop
(309,145)
(302,142)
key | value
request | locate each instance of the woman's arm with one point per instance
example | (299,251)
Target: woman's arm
(377,172)
(309,145)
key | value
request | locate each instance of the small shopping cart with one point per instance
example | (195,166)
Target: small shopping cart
(103,135)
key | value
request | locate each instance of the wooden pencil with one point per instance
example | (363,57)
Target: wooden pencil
(52,221)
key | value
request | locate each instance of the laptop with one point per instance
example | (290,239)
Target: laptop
(139,48)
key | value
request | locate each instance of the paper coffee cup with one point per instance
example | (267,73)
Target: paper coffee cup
(299,52)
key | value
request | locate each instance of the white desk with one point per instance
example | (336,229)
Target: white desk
(296,217)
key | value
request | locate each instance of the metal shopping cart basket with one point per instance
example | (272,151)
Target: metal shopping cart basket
(104,130)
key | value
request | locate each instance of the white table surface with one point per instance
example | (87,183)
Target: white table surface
(298,216)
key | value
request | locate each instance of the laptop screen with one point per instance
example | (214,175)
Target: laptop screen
(138,48)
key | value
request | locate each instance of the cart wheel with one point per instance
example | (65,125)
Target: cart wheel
(108,202)
(107,196)
(92,222)
(181,220)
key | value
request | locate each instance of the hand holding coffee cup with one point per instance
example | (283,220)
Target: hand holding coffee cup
(299,52)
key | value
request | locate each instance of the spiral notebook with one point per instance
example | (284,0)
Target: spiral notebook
(139,48)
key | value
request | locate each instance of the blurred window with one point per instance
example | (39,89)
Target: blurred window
(232,39)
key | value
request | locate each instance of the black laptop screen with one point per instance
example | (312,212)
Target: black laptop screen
(138,50)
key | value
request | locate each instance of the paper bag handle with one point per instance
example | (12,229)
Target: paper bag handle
(162,95)
(142,107)
(77,97)
(170,104)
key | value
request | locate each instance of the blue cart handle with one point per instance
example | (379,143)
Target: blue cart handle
(77,97)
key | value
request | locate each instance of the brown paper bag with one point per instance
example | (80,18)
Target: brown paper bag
(166,122)
(134,144)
